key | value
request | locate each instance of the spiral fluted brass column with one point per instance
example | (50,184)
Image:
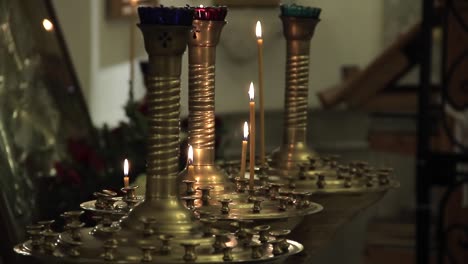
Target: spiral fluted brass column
(201,121)
(293,151)
(165,46)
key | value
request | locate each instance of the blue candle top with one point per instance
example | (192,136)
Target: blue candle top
(173,16)
(294,10)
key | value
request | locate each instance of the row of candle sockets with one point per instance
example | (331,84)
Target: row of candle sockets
(43,239)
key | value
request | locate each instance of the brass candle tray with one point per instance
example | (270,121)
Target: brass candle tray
(111,243)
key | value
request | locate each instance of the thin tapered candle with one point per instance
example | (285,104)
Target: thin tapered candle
(258,32)
(133,4)
(252,135)
(126,169)
(244,150)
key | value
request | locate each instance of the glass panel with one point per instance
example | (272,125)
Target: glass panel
(41,106)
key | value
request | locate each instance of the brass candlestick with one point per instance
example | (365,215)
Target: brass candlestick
(294,150)
(201,120)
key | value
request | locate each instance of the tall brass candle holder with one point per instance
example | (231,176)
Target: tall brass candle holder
(159,229)
(165,46)
(201,120)
(294,150)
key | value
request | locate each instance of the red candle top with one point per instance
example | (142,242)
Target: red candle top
(217,13)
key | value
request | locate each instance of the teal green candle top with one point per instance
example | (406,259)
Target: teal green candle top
(294,10)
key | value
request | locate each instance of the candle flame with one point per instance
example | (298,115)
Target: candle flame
(246,130)
(251,92)
(47,24)
(126,167)
(190,155)
(258,30)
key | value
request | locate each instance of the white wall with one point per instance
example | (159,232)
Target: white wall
(349,33)
(76,24)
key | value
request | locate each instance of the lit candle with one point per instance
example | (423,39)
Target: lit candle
(244,150)
(126,179)
(252,135)
(190,168)
(258,32)
(47,24)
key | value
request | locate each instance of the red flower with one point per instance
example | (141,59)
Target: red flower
(96,162)
(66,174)
(143,107)
(59,169)
(79,150)
(74,177)
(82,152)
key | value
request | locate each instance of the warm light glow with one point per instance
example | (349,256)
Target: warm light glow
(134,2)
(48,26)
(231,243)
(251,92)
(201,6)
(126,167)
(246,130)
(258,30)
(190,155)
